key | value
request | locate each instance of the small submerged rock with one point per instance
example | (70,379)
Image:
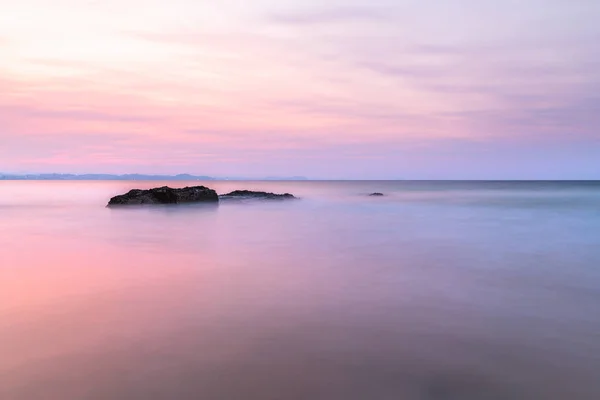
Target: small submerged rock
(376,194)
(249,194)
(165,195)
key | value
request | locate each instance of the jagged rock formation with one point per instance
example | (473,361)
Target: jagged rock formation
(165,195)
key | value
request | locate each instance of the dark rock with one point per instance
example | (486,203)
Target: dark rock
(249,194)
(165,195)
(376,194)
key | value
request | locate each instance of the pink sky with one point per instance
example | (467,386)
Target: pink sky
(325,89)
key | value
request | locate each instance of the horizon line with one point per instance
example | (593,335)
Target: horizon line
(156,177)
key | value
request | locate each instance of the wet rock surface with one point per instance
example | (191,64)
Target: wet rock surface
(165,195)
(249,194)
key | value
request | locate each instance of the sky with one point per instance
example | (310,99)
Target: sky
(352,89)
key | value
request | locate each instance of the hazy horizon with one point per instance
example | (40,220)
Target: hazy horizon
(283,178)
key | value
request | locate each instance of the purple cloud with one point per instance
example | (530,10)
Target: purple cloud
(332,16)
(76,114)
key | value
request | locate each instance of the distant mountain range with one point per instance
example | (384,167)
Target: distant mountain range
(128,177)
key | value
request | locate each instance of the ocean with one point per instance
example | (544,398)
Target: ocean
(438,290)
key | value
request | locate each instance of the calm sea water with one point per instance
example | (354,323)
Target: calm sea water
(440,290)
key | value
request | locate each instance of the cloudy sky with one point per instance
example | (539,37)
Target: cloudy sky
(413,89)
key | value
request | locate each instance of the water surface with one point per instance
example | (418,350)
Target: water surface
(439,290)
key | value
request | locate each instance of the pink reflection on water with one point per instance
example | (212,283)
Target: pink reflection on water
(317,298)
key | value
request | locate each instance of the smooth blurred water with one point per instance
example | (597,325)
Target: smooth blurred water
(439,290)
